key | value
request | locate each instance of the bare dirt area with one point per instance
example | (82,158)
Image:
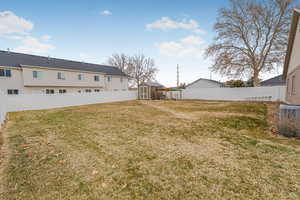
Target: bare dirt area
(150,150)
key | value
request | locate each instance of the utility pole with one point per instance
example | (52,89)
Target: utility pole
(177,75)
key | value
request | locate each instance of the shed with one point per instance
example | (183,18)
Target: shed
(151,90)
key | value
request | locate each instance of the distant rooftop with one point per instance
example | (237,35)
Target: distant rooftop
(23,60)
(277,80)
(206,80)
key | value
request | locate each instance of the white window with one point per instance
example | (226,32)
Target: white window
(61,76)
(293,88)
(62,91)
(109,78)
(50,91)
(5,72)
(80,77)
(37,74)
(12,91)
(96,78)
(88,90)
(97,90)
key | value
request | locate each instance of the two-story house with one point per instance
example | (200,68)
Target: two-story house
(291,71)
(289,123)
(23,74)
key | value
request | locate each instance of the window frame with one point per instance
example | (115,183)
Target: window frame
(5,72)
(50,91)
(38,74)
(12,91)
(80,77)
(61,76)
(96,78)
(293,85)
(62,91)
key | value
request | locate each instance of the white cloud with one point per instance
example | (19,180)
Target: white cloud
(46,37)
(199,31)
(14,37)
(89,57)
(192,40)
(32,45)
(106,12)
(166,23)
(187,47)
(13,27)
(10,23)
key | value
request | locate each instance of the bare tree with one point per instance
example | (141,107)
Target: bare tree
(120,61)
(139,67)
(252,37)
(143,68)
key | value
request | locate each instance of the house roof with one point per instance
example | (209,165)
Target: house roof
(277,80)
(291,40)
(25,60)
(153,84)
(217,82)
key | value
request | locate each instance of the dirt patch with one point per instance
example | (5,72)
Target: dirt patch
(175,113)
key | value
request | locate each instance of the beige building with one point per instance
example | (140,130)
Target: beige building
(291,71)
(23,74)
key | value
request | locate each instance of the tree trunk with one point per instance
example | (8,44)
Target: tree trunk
(256,82)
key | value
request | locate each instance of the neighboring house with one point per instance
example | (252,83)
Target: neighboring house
(289,120)
(150,90)
(23,74)
(204,83)
(275,81)
(291,71)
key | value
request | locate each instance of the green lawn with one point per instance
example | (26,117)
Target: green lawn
(148,150)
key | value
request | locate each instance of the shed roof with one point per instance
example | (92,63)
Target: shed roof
(25,60)
(153,84)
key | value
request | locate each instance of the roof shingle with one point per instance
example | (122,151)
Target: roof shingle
(21,60)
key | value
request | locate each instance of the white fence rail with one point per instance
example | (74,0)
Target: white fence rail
(276,93)
(13,103)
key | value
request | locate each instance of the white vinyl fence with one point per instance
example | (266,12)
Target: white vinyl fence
(13,103)
(276,93)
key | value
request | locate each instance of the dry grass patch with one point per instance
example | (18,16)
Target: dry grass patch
(166,150)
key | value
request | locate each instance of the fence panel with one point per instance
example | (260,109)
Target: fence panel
(276,93)
(3,103)
(13,103)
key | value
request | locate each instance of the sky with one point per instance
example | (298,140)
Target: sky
(170,31)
